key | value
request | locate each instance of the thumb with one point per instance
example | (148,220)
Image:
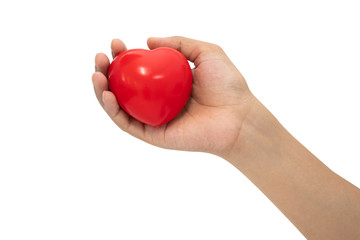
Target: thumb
(194,50)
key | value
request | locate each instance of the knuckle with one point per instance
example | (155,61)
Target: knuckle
(216,47)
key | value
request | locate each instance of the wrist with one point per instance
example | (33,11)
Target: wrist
(260,135)
(317,201)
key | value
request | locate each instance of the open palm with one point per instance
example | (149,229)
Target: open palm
(212,118)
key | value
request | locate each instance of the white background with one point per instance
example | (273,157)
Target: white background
(67,172)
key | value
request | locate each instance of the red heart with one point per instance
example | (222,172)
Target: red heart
(151,86)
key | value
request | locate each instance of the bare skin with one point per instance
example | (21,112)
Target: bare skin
(224,118)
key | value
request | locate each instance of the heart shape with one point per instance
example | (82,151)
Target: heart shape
(152,86)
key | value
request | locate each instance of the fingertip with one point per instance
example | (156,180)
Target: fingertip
(153,42)
(98,77)
(110,103)
(117,46)
(93,77)
(101,63)
(100,58)
(151,39)
(113,40)
(96,56)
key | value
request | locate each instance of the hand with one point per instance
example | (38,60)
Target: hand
(223,117)
(211,120)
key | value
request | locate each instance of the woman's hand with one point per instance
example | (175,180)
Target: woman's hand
(211,120)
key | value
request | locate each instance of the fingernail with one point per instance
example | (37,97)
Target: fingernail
(156,38)
(102,97)
(96,68)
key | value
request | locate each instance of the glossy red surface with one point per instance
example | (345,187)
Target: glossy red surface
(151,86)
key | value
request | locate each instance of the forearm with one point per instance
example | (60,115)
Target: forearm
(321,204)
